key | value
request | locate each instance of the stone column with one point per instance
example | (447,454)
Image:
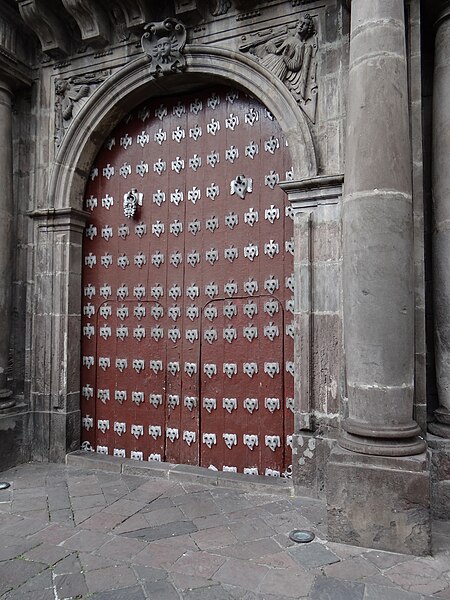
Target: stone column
(378,237)
(378,478)
(6,239)
(441,218)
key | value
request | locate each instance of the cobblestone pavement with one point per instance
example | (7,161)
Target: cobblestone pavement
(69,532)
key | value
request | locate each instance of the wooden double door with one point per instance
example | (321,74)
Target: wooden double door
(187,325)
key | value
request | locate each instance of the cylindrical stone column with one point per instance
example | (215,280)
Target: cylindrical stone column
(378,237)
(6,238)
(441,220)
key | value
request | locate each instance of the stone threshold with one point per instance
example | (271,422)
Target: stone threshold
(181,473)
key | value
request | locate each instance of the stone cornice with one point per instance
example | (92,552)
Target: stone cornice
(14,73)
(13,70)
(60,217)
(324,189)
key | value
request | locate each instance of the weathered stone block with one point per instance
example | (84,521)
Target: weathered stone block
(440,457)
(440,496)
(326,357)
(379,502)
(309,460)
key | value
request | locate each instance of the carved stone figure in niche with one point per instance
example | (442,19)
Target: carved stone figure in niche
(71,94)
(220,7)
(290,56)
(163,43)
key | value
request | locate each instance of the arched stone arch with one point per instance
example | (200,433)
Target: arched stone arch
(59,227)
(133,84)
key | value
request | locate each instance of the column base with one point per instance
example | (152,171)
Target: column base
(442,426)
(382,446)
(6,399)
(379,502)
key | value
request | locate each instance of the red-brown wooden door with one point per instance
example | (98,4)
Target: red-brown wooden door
(187,332)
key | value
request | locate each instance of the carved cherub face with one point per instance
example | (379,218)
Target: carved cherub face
(162,50)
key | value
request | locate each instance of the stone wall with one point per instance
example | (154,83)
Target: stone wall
(82,69)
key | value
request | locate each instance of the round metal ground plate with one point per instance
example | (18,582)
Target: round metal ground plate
(301,536)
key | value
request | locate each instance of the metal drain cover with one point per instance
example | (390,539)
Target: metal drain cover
(301,536)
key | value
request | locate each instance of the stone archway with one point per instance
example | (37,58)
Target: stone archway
(133,84)
(59,228)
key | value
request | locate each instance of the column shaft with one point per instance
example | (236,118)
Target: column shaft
(441,218)
(378,237)
(6,238)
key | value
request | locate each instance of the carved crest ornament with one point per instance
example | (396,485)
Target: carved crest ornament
(164,42)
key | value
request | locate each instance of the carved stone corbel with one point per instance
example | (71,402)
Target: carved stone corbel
(164,43)
(91,19)
(189,10)
(49,28)
(136,12)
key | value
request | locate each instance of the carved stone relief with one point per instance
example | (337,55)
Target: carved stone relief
(220,7)
(70,95)
(164,42)
(290,54)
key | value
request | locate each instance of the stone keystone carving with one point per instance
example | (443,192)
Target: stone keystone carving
(290,56)
(164,42)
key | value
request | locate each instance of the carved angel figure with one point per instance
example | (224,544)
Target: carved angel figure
(163,43)
(70,96)
(290,56)
(290,59)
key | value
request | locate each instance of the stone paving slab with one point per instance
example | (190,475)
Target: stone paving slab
(73,532)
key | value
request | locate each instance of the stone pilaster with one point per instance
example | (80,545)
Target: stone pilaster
(6,239)
(441,219)
(55,390)
(315,206)
(378,480)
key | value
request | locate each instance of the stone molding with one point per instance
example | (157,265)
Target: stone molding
(60,218)
(310,193)
(134,83)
